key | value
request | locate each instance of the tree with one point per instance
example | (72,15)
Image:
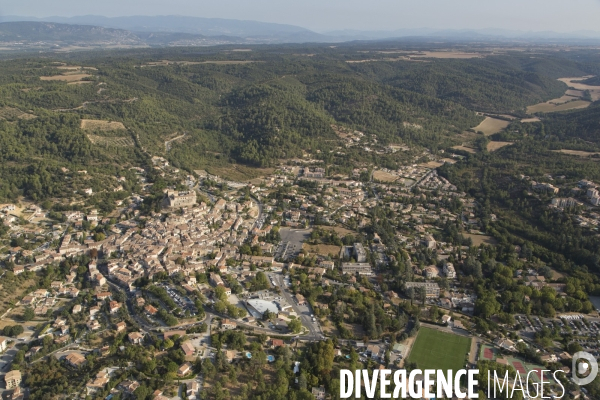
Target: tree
(28,314)
(295,325)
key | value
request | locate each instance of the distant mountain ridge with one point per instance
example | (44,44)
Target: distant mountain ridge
(28,31)
(192,25)
(173,30)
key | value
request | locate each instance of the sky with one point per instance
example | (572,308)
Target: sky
(327,15)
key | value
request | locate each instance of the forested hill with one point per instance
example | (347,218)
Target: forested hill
(254,107)
(578,124)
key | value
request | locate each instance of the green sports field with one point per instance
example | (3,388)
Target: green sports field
(439,350)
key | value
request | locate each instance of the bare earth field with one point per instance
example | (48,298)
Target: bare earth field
(577,153)
(493,146)
(480,239)
(383,176)
(534,119)
(65,77)
(100,125)
(489,126)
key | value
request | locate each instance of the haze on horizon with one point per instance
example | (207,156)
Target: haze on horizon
(324,16)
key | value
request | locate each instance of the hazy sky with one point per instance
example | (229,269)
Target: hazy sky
(323,15)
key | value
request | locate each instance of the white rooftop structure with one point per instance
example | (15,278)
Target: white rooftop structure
(262,306)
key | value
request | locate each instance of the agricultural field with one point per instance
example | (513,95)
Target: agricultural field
(67,77)
(550,106)
(119,141)
(100,125)
(434,349)
(572,83)
(493,146)
(489,126)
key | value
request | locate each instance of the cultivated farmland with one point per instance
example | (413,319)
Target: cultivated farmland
(489,126)
(100,125)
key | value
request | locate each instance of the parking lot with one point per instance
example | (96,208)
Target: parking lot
(291,242)
(585,330)
(183,302)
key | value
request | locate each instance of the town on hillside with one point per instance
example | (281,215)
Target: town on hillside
(215,285)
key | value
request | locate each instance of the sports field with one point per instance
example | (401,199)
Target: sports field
(439,350)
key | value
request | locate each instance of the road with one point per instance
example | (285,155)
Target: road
(304,312)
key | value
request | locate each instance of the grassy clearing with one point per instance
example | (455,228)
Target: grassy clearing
(100,125)
(493,146)
(489,126)
(321,249)
(383,176)
(339,230)
(480,239)
(434,349)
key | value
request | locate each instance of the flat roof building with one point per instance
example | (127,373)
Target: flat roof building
(360,268)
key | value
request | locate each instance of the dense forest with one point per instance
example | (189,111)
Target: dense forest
(255,107)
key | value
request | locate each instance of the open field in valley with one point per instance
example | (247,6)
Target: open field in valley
(549,106)
(572,83)
(434,349)
(489,126)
